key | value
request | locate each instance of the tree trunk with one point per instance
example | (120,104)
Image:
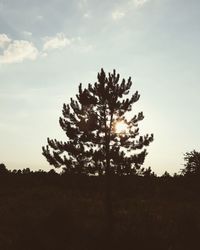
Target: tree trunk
(108,205)
(108,194)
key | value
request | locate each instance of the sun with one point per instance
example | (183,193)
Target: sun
(121,127)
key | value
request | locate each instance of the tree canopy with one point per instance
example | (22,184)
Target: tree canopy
(100,136)
(3,169)
(192,163)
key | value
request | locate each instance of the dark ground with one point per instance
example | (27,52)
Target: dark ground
(54,212)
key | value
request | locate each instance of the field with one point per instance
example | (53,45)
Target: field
(55,212)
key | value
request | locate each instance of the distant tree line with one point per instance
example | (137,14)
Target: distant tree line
(25,171)
(191,168)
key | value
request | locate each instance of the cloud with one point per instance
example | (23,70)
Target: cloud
(4,40)
(82,4)
(140,3)
(87,15)
(39,18)
(18,51)
(126,8)
(56,42)
(117,14)
(27,33)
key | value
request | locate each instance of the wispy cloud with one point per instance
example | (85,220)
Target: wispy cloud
(86,15)
(27,33)
(140,3)
(126,7)
(18,51)
(82,4)
(117,15)
(39,18)
(57,42)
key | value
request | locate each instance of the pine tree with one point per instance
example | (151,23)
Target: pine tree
(3,169)
(192,163)
(93,144)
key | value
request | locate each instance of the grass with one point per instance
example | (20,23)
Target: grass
(58,213)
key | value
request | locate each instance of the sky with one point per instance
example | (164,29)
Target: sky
(48,47)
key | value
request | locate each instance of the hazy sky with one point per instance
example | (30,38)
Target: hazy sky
(48,47)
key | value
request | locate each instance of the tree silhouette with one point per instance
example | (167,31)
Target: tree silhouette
(3,169)
(94,145)
(100,137)
(148,173)
(192,163)
(166,175)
